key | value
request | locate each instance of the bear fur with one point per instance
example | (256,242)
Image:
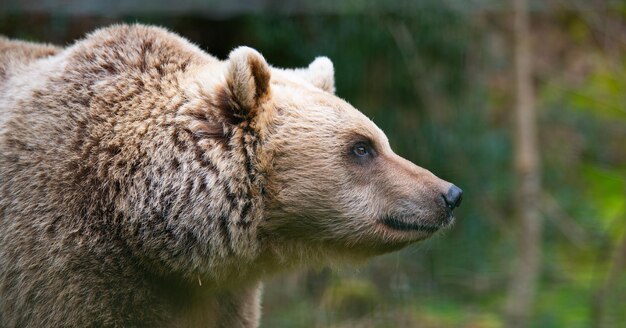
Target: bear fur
(145,183)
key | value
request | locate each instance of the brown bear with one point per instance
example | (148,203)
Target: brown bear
(144,183)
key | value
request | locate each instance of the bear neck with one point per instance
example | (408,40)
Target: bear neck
(153,161)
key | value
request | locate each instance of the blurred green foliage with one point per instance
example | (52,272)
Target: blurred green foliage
(439,81)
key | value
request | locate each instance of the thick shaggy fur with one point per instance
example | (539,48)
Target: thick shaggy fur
(145,183)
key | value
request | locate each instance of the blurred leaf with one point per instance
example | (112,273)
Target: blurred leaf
(607,192)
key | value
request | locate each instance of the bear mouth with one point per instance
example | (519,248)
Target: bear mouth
(398,224)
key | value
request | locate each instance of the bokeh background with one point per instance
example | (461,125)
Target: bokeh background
(439,76)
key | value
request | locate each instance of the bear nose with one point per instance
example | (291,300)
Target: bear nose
(453,197)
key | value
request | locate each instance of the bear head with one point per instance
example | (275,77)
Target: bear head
(332,182)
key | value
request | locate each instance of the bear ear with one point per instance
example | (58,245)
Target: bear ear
(248,78)
(322,74)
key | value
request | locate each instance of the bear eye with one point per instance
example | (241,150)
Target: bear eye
(361,149)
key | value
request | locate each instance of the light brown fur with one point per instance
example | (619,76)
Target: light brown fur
(145,183)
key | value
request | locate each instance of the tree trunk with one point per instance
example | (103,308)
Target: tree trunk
(599,314)
(521,296)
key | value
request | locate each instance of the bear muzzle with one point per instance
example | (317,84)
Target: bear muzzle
(427,220)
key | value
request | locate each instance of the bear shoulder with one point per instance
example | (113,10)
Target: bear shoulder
(15,53)
(136,47)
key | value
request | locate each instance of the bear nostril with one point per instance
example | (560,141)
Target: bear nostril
(453,197)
